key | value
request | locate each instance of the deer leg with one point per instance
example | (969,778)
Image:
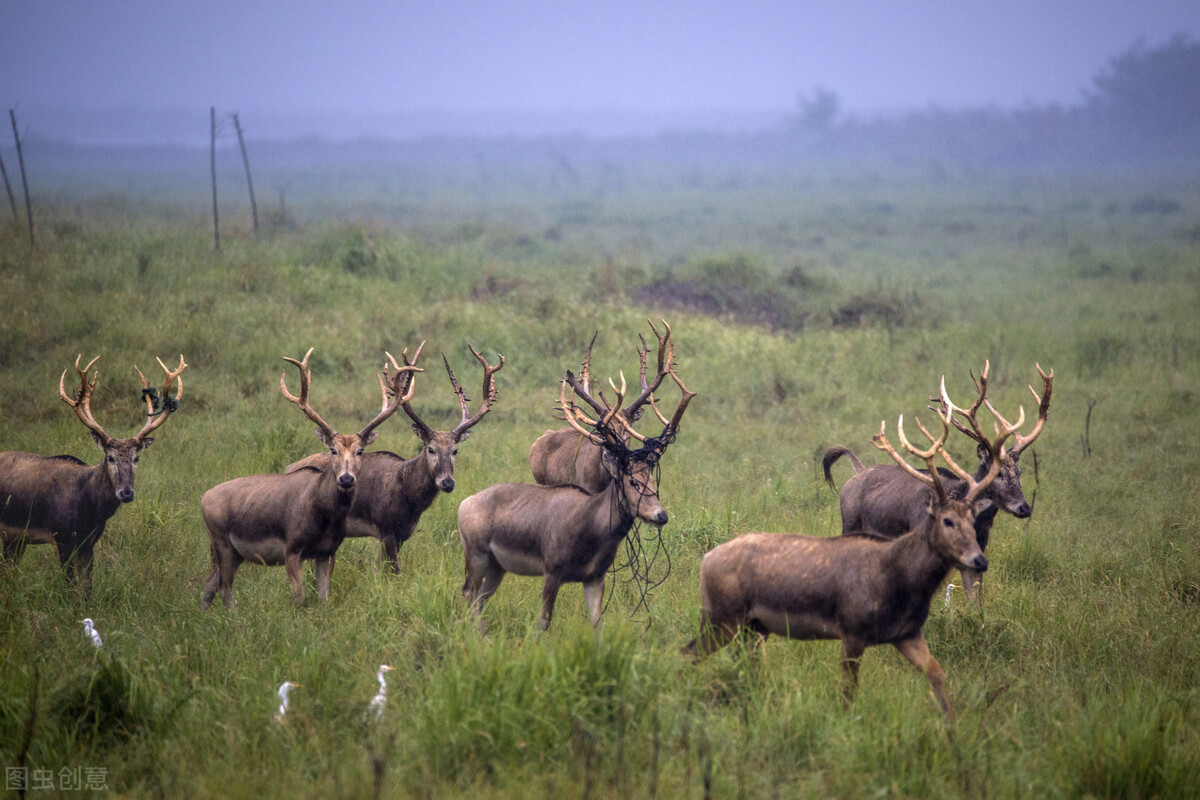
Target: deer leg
(324,569)
(550,586)
(391,550)
(593,594)
(917,652)
(711,638)
(14,544)
(482,582)
(211,584)
(852,650)
(76,559)
(291,563)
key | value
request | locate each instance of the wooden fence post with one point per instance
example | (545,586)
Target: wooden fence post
(12,201)
(24,182)
(249,180)
(212,112)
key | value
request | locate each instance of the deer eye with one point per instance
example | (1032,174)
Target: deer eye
(430,451)
(358,452)
(949,523)
(454,452)
(333,451)
(112,459)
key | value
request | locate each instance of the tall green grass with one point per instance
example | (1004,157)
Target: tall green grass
(1077,677)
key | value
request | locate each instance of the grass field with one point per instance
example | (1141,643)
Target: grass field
(806,307)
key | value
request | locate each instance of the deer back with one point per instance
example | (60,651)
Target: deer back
(567,457)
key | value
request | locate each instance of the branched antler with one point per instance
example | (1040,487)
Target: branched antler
(489,392)
(156,416)
(1021,442)
(302,400)
(81,401)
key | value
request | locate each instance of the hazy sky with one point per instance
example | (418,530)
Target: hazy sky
(525,55)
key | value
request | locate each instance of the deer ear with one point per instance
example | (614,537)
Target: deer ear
(462,437)
(610,464)
(981,505)
(420,432)
(324,439)
(930,503)
(370,437)
(96,438)
(983,453)
(149,440)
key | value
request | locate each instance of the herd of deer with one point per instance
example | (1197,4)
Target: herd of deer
(903,529)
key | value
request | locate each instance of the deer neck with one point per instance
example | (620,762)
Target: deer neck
(332,498)
(99,490)
(607,514)
(915,563)
(414,481)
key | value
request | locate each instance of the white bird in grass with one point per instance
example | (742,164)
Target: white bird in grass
(284,688)
(89,628)
(379,700)
(949,588)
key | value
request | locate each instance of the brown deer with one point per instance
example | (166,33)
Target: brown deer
(564,533)
(283,519)
(566,457)
(885,500)
(860,588)
(61,499)
(393,492)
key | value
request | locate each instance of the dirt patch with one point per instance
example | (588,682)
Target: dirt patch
(768,310)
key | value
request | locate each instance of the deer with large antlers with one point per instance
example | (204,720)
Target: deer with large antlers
(862,589)
(564,533)
(565,456)
(393,492)
(884,499)
(62,500)
(286,519)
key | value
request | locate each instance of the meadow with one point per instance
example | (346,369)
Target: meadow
(808,304)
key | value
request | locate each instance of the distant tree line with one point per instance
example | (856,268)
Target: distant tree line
(1142,107)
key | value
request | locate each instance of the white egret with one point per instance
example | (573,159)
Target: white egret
(949,588)
(89,628)
(379,700)
(284,688)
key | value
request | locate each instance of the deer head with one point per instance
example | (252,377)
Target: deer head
(951,521)
(121,455)
(1006,491)
(440,448)
(631,470)
(347,448)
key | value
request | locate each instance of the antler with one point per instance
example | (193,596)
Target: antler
(931,478)
(397,389)
(995,447)
(666,364)
(975,432)
(1021,442)
(489,392)
(167,404)
(82,400)
(607,435)
(302,400)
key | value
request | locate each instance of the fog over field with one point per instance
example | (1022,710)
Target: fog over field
(142,72)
